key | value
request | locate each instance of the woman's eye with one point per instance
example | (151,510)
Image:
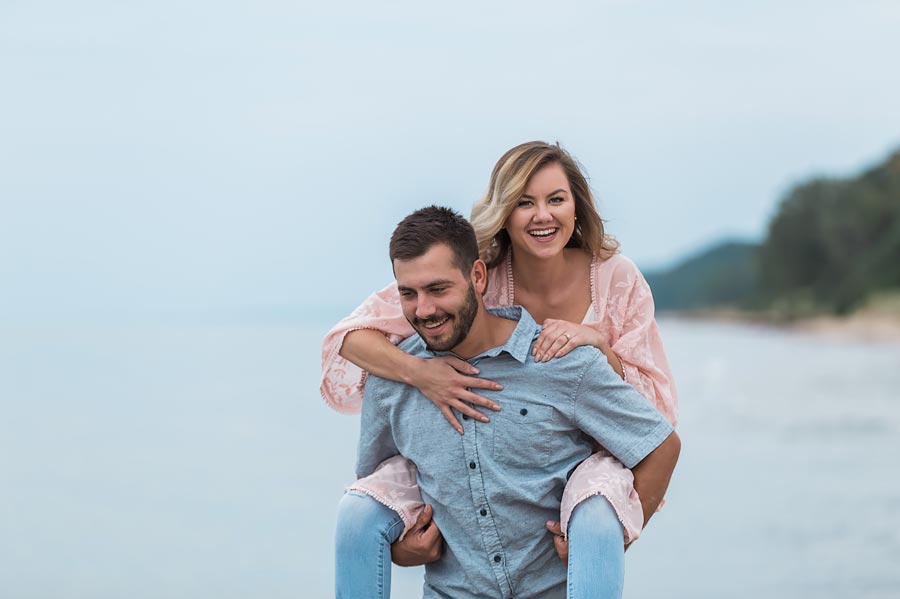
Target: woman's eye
(557,200)
(524,203)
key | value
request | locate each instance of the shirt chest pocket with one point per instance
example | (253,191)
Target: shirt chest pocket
(522,433)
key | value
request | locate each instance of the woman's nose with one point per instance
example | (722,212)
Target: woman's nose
(542,213)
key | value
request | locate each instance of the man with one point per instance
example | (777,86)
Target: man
(493,488)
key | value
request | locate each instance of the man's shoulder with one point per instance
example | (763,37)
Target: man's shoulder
(585,360)
(413,345)
(382,389)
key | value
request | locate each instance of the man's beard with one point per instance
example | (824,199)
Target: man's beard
(461,324)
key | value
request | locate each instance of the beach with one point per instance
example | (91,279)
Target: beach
(184,461)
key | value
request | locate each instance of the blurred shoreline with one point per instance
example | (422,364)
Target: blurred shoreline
(864,325)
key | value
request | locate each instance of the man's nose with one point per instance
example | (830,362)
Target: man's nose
(424,307)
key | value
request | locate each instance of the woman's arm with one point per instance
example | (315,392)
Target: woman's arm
(636,339)
(444,380)
(627,333)
(365,342)
(559,337)
(342,381)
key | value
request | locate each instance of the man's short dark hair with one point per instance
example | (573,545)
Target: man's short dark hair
(416,233)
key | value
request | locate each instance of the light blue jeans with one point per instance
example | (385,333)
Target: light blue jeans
(366,529)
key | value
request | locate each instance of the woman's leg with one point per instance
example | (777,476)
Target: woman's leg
(362,547)
(596,551)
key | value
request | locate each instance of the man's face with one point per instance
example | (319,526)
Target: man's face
(438,300)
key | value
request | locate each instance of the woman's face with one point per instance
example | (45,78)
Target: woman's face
(543,220)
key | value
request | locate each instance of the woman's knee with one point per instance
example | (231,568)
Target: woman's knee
(361,517)
(596,516)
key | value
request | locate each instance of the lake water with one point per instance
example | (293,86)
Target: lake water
(199,461)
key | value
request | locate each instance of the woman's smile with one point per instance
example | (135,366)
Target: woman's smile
(544,235)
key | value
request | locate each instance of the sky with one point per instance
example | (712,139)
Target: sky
(253,157)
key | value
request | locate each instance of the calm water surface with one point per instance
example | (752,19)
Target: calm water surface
(194,462)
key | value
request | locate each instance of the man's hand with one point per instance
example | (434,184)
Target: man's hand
(560,542)
(421,545)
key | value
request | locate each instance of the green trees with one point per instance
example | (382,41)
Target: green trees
(832,244)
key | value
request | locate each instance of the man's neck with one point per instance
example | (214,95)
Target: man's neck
(488,331)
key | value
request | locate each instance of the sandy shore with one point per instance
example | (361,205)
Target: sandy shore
(863,325)
(870,327)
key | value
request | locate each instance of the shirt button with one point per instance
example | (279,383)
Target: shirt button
(483,512)
(465,417)
(497,558)
(523,411)
(472,465)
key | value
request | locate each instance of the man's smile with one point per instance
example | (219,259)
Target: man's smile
(434,324)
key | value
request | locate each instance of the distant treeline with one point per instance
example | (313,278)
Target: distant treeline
(832,244)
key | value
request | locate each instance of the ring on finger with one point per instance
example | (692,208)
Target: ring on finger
(566,335)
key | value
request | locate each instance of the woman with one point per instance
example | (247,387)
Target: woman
(540,234)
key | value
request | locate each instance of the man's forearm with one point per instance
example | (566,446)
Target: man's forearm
(652,474)
(371,351)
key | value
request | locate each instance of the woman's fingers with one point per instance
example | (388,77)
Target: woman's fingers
(543,343)
(479,383)
(450,417)
(467,410)
(478,400)
(552,346)
(566,347)
(459,365)
(449,389)
(559,337)
(469,379)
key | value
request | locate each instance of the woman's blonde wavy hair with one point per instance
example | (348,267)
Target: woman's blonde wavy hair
(508,181)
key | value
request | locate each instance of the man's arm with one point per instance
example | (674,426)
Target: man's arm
(632,429)
(651,478)
(653,473)
(423,543)
(376,438)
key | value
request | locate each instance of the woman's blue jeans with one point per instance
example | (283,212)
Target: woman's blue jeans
(366,529)
(362,547)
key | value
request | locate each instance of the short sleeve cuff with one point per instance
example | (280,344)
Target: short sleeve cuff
(651,441)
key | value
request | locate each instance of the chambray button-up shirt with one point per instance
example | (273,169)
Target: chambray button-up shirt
(494,487)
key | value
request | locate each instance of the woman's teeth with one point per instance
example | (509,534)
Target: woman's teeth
(543,232)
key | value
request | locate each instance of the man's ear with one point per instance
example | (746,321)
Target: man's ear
(479,276)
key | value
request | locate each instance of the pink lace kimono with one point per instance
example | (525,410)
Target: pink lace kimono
(621,309)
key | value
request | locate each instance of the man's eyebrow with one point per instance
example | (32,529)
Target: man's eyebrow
(439,283)
(552,193)
(429,285)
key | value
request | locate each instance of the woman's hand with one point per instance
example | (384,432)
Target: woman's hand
(446,380)
(559,337)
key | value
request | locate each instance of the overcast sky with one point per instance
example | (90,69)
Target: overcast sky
(223,155)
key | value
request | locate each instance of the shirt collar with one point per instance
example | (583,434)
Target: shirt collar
(519,343)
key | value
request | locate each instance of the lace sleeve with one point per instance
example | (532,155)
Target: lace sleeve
(342,381)
(625,305)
